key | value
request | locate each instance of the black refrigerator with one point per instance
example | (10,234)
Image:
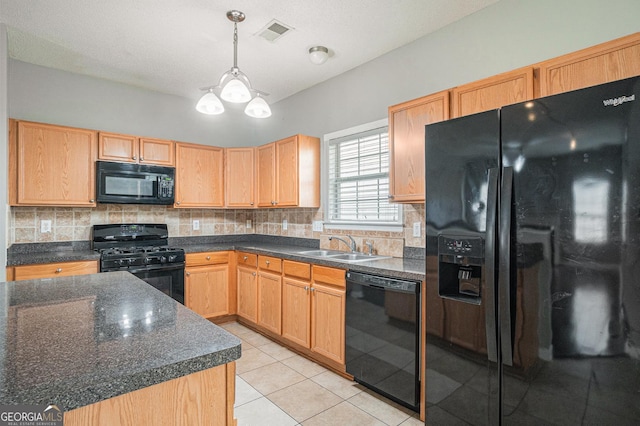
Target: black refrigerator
(533,262)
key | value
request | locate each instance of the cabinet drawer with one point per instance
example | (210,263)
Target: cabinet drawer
(207,258)
(297,269)
(270,263)
(51,270)
(247,259)
(326,275)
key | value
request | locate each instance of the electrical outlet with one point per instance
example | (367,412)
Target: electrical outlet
(45,226)
(285,224)
(317,226)
(416,229)
(196,225)
(248,224)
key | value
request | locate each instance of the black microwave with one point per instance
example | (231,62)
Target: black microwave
(128,183)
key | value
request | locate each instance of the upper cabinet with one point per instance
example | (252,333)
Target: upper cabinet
(199,176)
(599,64)
(132,149)
(240,177)
(51,165)
(493,92)
(288,172)
(406,144)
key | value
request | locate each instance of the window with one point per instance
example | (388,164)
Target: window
(358,177)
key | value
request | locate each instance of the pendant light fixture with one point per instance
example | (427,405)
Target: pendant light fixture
(234,85)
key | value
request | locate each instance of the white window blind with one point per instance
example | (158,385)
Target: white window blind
(359,179)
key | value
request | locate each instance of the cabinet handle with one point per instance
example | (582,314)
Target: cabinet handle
(208,257)
(188,273)
(58,270)
(134,158)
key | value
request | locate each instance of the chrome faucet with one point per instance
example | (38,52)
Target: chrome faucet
(351,245)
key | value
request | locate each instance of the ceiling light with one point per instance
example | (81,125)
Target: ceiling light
(318,54)
(234,85)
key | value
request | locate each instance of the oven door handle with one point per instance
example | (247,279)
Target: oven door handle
(156,268)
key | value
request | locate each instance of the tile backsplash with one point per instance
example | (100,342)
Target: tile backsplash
(74,224)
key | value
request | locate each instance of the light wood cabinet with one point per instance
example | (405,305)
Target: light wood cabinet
(52,270)
(270,294)
(240,177)
(296,303)
(247,283)
(199,176)
(288,172)
(51,165)
(598,64)
(406,144)
(207,285)
(327,313)
(493,92)
(133,149)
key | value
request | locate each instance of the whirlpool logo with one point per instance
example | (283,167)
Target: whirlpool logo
(618,101)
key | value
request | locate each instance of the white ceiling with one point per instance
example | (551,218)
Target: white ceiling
(179,46)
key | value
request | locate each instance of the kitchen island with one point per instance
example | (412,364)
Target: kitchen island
(110,349)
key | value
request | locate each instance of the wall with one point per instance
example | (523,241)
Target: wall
(74,224)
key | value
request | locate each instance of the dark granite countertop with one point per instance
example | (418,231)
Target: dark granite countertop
(75,341)
(284,247)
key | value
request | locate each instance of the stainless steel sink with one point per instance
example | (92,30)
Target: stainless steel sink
(320,253)
(356,257)
(340,255)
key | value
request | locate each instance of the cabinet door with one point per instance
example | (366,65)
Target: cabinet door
(406,144)
(247,293)
(599,64)
(296,311)
(327,321)
(270,301)
(52,270)
(266,175)
(494,92)
(240,177)
(55,165)
(206,290)
(115,147)
(287,172)
(157,151)
(199,176)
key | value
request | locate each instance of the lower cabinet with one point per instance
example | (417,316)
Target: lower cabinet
(207,283)
(52,270)
(328,293)
(296,302)
(247,283)
(270,294)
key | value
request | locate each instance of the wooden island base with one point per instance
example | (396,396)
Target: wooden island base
(203,398)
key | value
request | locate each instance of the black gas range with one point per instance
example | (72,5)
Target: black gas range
(143,250)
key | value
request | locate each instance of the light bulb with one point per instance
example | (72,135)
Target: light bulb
(258,108)
(235,91)
(210,104)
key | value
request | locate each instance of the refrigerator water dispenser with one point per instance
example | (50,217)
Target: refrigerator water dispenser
(460,262)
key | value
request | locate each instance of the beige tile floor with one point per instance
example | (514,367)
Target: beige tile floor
(275,386)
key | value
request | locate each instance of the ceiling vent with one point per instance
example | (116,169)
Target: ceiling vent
(274,30)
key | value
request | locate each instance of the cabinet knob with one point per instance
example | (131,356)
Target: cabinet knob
(245,258)
(251,203)
(306,288)
(390,197)
(267,262)
(187,273)
(208,257)
(58,270)
(92,200)
(177,203)
(134,158)
(141,159)
(253,273)
(273,203)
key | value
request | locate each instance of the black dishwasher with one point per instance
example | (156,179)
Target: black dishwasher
(382,335)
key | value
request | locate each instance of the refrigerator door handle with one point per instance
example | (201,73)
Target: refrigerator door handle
(490,265)
(504,268)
